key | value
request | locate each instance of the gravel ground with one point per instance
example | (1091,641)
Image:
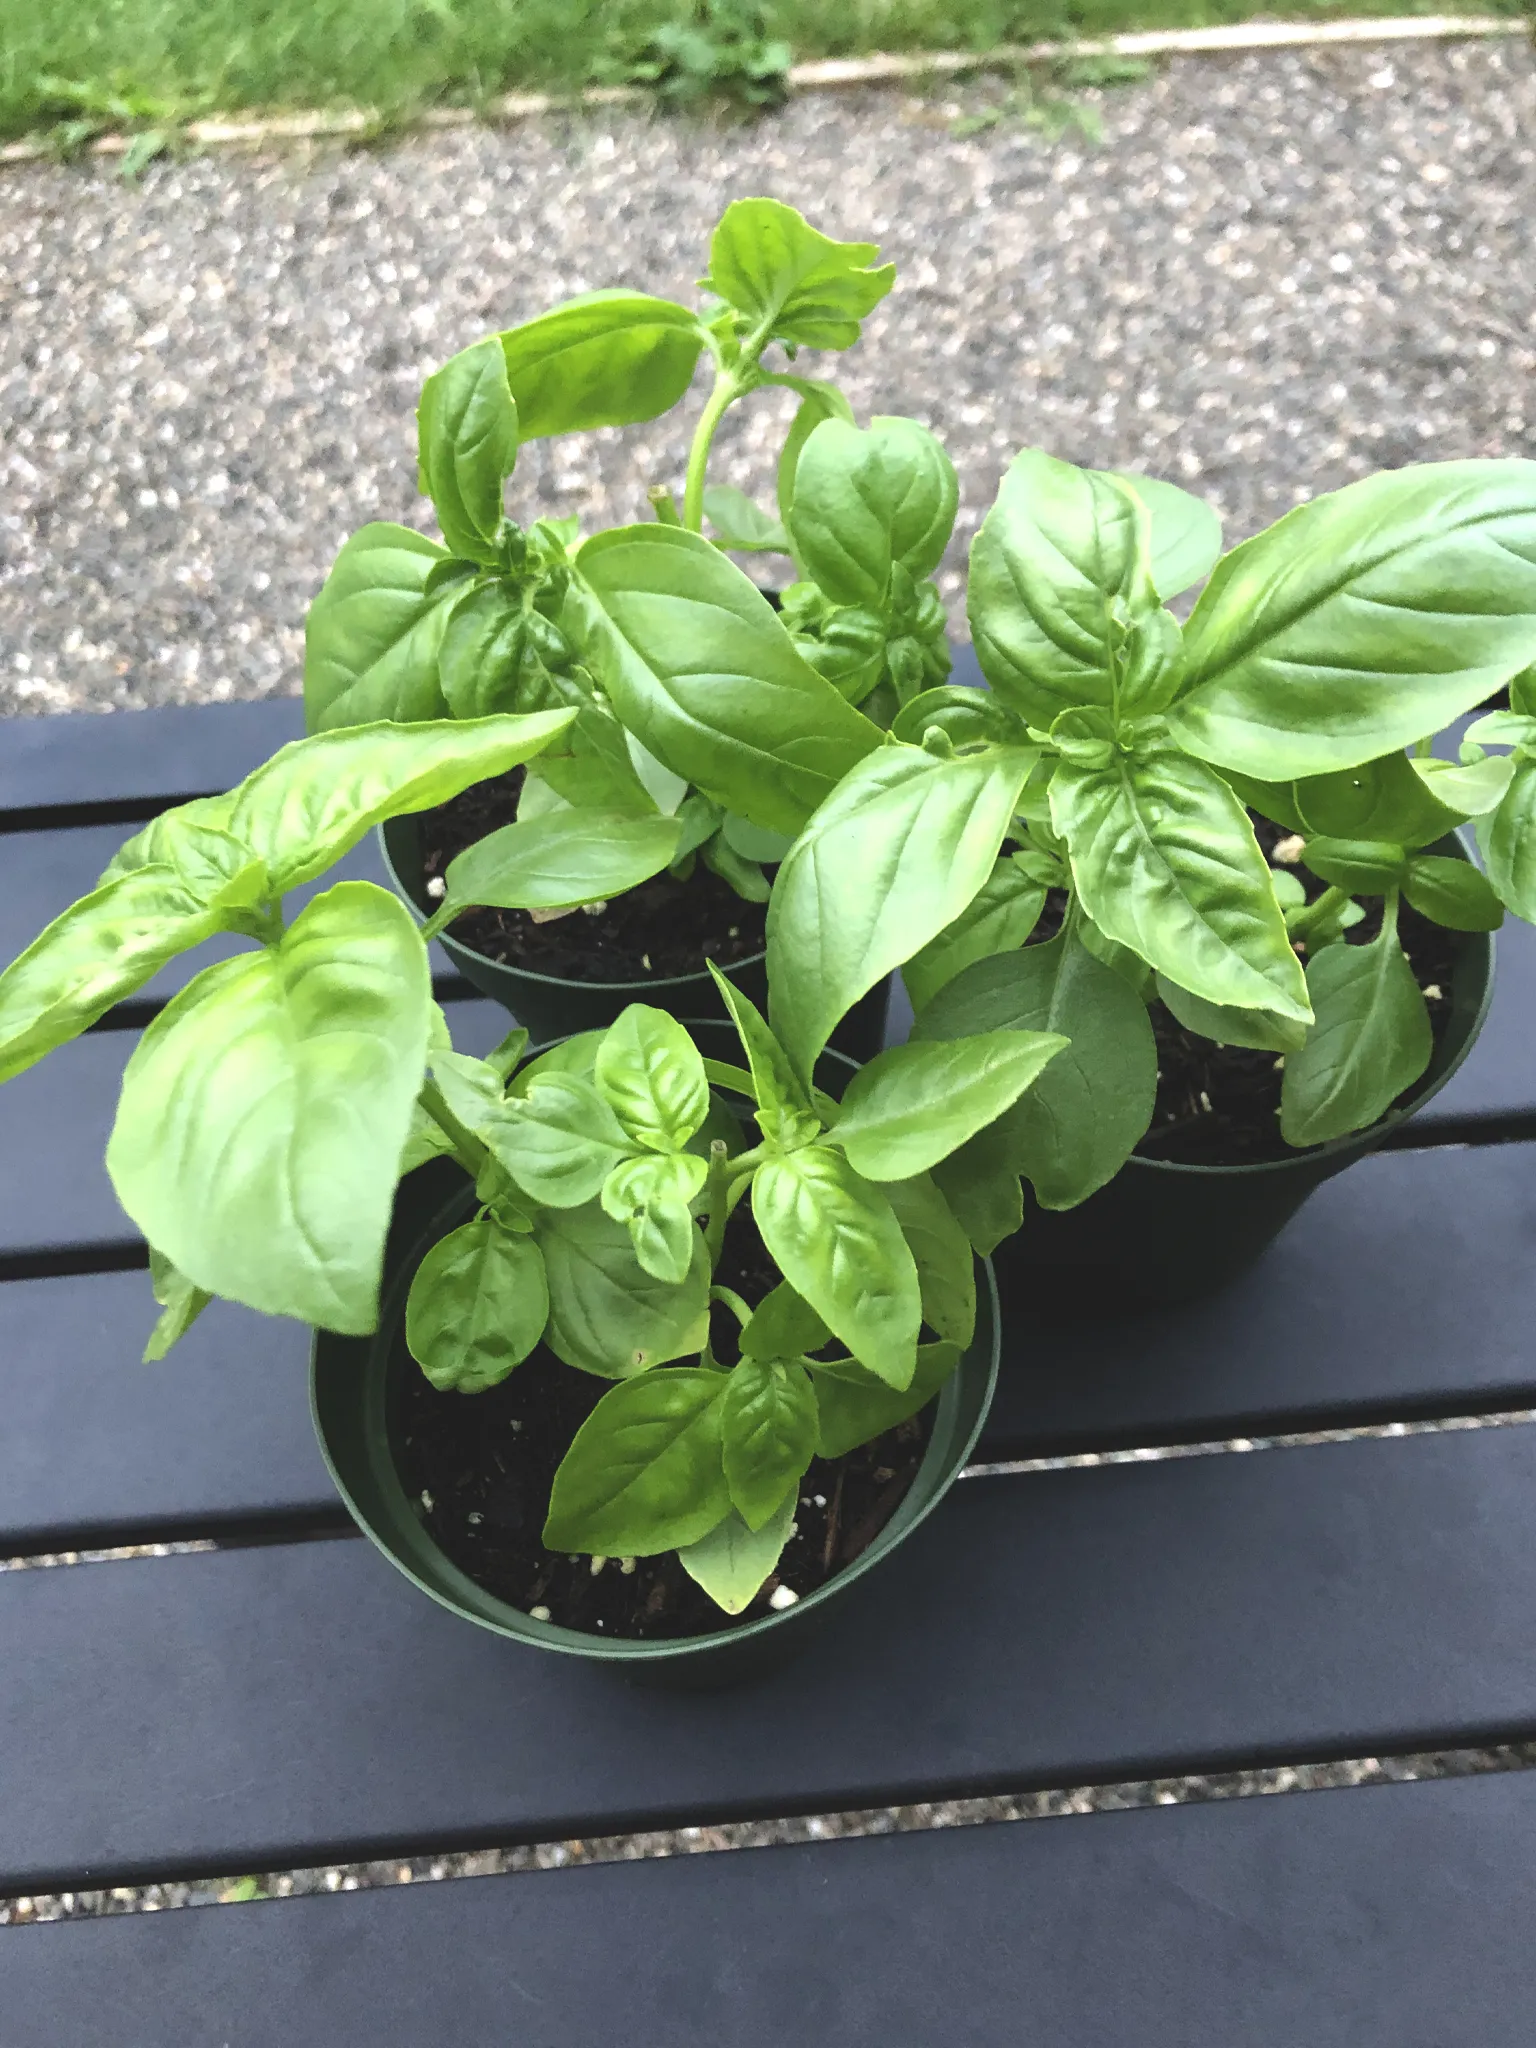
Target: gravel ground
(1274,274)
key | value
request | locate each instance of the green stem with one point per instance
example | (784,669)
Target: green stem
(471,1154)
(733,1302)
(440,919)
(727,389)
(716,1202)
(1318,913)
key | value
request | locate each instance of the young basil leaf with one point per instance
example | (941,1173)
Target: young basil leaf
(1372,1039)
(768,1423)
(1081,1121)
(782,1326)
(608,359)
(316,798)
(1382,799)
(784,1111)
(962,712)
(744,876)
(864,501)
(1166,863)
(1259,1029)
(471,1088)
(1508,841)
(914,1104)
(837,1242)
(425,1140)
(372,636)
(732,1562)
(1185,532)
(644,1472)
(503,1058)
(941,1251)
(1364,867)
(740,525)
(1000,916)
(559,1142)
(1453,893)
(891,859)
(1471,790)
(477,1307)
(752,842)
(467,446)
(1289,667)
(591,765)
(818,401)
(607,1315)
(1504,728)
(236,1151)
(577,1055)
(853,1406)
(479,659)
(566,858)
(181,1303)
(651,1075)
(1058,547)
(650,1197)
(793,284)
(698,665)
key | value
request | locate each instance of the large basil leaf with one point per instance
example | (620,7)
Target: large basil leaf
(565,858)
(644,1471)
(793,284)
(650,1197)
(316,798)
(372,636)
(1059,546)
(1081,1121)
(946,1272)
(1185,532)
(560,1141)
(864,501)
(891,859)
(1383,799)
(1453,893)
(768,1422)
(477,1307)
(1166,863)
(818,401)
(914,1104)
(732,1561)
(837,1242)
(467,446)
(180,1304)
(609,359)
(651,1075)
(1372,1039)
(1363,620)
(1000,916)
(853,1406)
(784,1111)
(112,941)
(265,1110)
(1508,842)
(698,665)
(607,1315)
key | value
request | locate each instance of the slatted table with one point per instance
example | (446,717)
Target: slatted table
(288,1700)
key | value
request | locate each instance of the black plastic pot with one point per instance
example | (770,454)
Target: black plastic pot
(1161,1233)
(355,1385)
(551,1008)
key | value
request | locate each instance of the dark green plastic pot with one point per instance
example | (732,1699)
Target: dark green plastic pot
(354,1390)
(1161,1233)
(549,1008)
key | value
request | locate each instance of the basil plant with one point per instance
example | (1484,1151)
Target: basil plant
(707,724)
(1115,759)
(606,1171)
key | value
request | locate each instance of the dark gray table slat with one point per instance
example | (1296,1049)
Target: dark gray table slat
(1395,1915)
(284,1704)
(73,763)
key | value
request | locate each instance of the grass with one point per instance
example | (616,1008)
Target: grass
(72,67)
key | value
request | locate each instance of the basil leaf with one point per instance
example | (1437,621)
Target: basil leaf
(837,1242)
(1185,532)
(1059,547)
(644,1471)
(752,842)
(479,659)
(1083,1118)
(560,1141)
(1504,728)
(1273,800)
(981,1184)
(467,446)
(1224,1024)
(650,1197)
(1364,867)
(732,1562)
(1508,842)
(941,1251)
(577,1055)
(768,1424)
(316,798)
(891,859)
(961,711)
(1453,893)
(1166,863)
(784,1111)
(782,1326)
(566,858)
(740,525)
(852,1406)
(477,1307)
(608,359)
(1363,620)
(1372,1039)
(1470,790)
(793,284)
(818,401)
(425,1140)
(864,501)
(1383,799)
(181,1303)
(265,1110)
(914,1104)
(1000,916)
(651,1075)
(697,663)
(744,876)
(371,638)
(592,766)
(607,1315)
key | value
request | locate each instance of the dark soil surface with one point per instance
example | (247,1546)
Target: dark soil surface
(481,1467)
(663,928)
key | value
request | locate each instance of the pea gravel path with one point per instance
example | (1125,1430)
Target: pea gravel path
(1274,274)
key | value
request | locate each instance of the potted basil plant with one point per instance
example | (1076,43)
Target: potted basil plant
(707,727)
(1221,858)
